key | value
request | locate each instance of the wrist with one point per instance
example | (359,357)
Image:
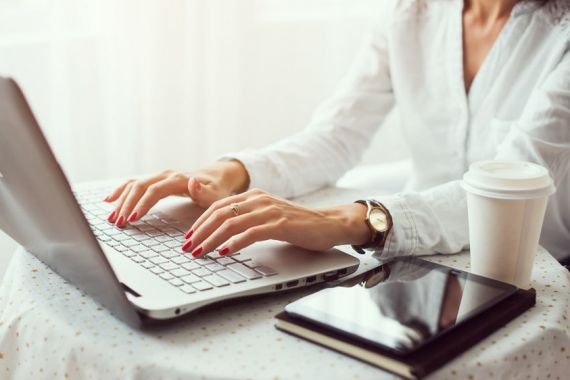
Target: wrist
(351,222)
(233,176)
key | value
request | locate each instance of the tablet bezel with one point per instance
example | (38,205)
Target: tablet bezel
(300,308)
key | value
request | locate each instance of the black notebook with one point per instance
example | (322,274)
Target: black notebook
(410,317)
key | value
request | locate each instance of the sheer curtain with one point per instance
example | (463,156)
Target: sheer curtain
(131,86)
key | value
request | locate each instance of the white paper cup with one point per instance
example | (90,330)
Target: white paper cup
(506,202)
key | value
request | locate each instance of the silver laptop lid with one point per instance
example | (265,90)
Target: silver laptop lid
(39,210)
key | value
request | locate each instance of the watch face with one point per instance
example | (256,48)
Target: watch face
(378,220)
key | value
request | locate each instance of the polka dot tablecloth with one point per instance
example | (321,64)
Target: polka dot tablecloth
(50,330)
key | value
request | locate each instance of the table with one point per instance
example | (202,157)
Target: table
(49,330)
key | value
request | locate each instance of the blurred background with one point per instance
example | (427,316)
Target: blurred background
(123,88)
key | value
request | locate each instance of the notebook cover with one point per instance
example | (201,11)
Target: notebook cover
(436,353)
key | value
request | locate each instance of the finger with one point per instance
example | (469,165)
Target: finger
(250,236)
(115,194)
(202,192)
(114,217)
(232,227)
(217,205)
(155,193)
(216,219)
(137,190)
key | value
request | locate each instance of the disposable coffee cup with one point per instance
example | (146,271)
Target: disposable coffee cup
(506,203)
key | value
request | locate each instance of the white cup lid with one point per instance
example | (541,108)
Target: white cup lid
(508,180)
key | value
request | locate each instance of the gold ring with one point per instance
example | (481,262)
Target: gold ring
(235,209)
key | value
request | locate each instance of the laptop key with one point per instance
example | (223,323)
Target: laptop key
(179,272)
(231,276)
(225,261)
(160,248)
(148,254)
(173,244)
(214,254)
(130,243)
(215,267)
(147,265)
(157,270)
(176,282)
(201,272)
(216,280)
(266,271)
(166,276)
(137,259)
(113,243)
(150,242)
(187,289)
(190,265)
(168,266)
(138,248)
(252,264)
(242,259)
(169,254)
(140,237)
(180,259)
(202,285)
(203,261)
(248,273)
(158,260)
(163,238)
(189,279)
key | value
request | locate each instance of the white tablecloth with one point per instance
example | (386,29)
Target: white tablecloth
(48,330)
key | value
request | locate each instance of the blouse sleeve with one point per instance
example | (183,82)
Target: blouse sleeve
(338,133)
(435,220)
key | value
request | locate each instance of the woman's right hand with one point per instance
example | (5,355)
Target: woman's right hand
(205,186)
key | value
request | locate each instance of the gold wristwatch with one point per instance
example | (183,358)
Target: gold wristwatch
(379,222)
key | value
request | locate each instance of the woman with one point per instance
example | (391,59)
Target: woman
(473,80)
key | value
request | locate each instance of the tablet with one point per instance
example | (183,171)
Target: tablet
(402,305)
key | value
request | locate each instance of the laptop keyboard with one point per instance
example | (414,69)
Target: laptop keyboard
(155,243)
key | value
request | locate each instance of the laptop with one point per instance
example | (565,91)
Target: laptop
(139,273)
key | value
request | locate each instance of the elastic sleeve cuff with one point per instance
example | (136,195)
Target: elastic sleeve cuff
(403,238)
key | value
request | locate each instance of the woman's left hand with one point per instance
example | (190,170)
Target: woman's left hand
(238,221)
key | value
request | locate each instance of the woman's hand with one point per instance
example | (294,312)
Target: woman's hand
(136,197)
(235,222)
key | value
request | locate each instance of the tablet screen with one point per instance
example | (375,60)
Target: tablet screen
(415,302)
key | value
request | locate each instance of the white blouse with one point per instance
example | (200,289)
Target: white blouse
(518,107)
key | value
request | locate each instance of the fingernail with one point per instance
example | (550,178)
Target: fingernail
(133,216)
(197,251)
(106,199)
(120,220)
(189,234)
(224,251)
(186,245)
(197,184)
(111,216)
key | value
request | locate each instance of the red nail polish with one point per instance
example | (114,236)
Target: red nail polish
(186,245)
(110,218)
(133,216)
(197,251)
(224,251)
(189,234)
(120,220)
